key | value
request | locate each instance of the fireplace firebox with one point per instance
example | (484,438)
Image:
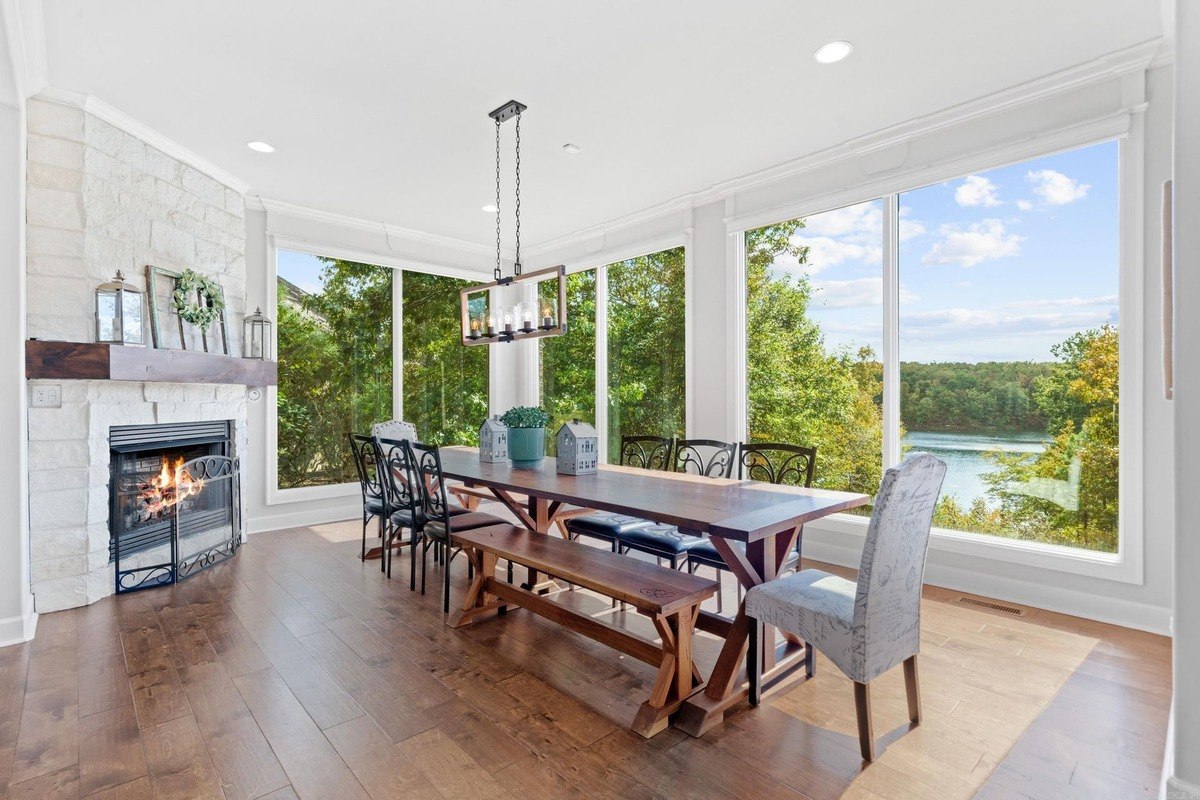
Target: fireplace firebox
(174,506)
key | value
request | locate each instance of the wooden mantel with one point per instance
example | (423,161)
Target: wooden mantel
(112,362)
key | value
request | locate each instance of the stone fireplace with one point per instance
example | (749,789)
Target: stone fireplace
(99,199)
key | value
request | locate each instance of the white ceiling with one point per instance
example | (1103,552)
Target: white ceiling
(378,108)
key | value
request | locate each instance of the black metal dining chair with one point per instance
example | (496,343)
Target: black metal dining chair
(366,461)
(769,462)
(402,501)
(707,457)
(439,524)
(647,452)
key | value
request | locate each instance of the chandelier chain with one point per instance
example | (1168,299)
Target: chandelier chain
(497,272)
(517,263)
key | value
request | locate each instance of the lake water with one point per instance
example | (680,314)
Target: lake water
(965,458)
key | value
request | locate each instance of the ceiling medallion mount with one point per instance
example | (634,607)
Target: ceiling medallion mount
(539,311)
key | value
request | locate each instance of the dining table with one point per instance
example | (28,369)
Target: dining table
(753,525)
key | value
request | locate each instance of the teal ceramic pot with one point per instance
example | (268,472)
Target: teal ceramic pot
(526,444)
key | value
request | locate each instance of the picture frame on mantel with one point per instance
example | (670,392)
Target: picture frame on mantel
(158,278)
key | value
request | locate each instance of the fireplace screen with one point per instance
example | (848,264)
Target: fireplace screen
(175,505)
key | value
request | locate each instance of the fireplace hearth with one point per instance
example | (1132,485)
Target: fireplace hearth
(174,501)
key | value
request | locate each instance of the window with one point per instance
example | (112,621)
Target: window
(1005,344)
(334,323)
(568,363)
(1009,346)
(646,372)
(445,384)
(814,338)
(641,350)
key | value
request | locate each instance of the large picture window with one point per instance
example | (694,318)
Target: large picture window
(639,305)
(334,323)
(1004,348)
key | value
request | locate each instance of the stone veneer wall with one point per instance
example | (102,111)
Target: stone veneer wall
(100,200)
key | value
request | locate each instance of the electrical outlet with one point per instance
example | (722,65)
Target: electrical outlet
(46,397)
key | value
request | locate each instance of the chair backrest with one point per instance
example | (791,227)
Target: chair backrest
(647,452)
(707,457)
(394,429)
(776,462)
(427,471)
(366,461)
(887,604)
(397,475)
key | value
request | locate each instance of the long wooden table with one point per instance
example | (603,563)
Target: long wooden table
(767,518)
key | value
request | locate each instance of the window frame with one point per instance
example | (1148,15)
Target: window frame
(1126,565)
(275,243)
(600,262)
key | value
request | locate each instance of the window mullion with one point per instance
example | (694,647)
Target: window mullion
(602,360)
(891,330)
(397,344)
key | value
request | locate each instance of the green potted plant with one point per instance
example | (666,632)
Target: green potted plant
(526,433)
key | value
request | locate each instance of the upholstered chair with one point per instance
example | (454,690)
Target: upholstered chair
(868,627)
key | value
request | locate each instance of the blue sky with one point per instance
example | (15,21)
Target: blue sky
(998,265)
(302,269)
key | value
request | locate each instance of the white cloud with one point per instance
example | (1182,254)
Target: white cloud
(824,251)
(1068,302)
(864,220)
(1056,188)
(910,228)
(957,324)
(976,190)
(1024,205)
(855,293)
(978,242)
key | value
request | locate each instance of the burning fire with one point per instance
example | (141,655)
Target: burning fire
(170,487)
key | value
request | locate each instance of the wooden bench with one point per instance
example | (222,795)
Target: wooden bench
(670,598)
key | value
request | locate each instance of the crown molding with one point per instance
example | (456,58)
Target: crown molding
(156,139)
(390,232)
(24,23)
(680,205)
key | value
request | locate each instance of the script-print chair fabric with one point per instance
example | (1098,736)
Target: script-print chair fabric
(866,627)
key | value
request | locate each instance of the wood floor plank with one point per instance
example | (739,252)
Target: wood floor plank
(450,769)
(381,768)
(158,696)
(243,759)
(310,761)
(110,750)
(48,739)
(103,685)
(178,761)
(61,784)
(139,789)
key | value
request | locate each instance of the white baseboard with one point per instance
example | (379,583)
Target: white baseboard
(16,630)
(838,550)
(299,519)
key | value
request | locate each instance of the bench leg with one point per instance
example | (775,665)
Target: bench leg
(677,676)
(477,601)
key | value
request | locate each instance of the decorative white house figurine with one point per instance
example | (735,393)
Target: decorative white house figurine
(578,448)
(493,441)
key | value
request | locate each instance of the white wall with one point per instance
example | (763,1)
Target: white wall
(17,619)
(1186,778)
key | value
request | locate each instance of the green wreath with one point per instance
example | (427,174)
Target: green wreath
(209,302)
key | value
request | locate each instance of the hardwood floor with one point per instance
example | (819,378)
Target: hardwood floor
(295,671)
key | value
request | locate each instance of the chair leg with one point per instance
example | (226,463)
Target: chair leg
(424,565)
(412,560)
(448,556)
(913,689)
(866,731)
(810,660)
(720,591)
(754,661)
(363,556)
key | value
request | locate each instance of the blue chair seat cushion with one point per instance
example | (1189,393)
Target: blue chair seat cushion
(404,518)
(658,539)
(605,525)
(705,553)
(460,522)
(373,505)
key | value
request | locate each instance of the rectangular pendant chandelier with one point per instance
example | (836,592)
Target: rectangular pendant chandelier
(545,314)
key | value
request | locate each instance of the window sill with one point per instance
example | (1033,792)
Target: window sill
(1106,566)
(276,496)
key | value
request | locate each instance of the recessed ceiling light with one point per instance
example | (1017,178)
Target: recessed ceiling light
(834,51)
(490,208)
(260,147)
(571,148)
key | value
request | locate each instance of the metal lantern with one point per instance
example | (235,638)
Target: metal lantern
(578,448)
(493,441)
(256,336)
(119,312)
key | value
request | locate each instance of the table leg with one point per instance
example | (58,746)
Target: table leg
(757,564)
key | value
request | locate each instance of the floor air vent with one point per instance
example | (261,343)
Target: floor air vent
(991,606)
